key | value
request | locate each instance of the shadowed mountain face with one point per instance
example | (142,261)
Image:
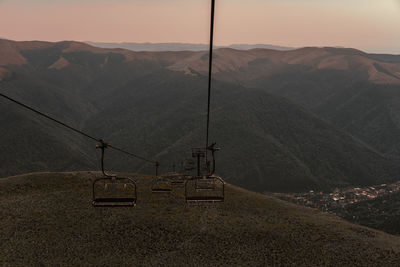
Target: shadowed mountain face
(154,104)
(357,92)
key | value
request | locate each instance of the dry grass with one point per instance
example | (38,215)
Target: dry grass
(47,219)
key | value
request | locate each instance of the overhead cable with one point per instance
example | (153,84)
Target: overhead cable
(76,130)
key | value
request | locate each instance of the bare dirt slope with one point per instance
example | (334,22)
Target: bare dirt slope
(47,219)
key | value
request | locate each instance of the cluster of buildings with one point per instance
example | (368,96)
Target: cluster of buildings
(340,198)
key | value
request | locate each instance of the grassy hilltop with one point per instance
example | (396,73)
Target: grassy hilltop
(47,219)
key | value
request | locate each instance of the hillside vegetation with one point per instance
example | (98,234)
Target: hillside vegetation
(381,213)
(356,91)
(47,219)
(154,103)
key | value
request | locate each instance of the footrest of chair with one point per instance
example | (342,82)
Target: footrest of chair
(114,202)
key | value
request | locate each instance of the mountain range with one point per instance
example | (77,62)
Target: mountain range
(311,118)
(155,47)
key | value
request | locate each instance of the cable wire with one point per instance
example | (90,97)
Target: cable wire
(131,154)
(76,130)
(50,118)
(210,71)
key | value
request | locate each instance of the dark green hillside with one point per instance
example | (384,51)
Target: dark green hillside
(381,213)
(47,219)
(369,112)
(269,143)
(359,93)
(30,143)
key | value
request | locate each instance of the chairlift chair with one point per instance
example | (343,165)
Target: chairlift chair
(161,185)
(206,188)
(175,178)
(178,181)
(113,191)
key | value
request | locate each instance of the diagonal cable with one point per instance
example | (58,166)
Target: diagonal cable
(74,129)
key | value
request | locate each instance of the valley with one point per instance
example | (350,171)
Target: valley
(374,206)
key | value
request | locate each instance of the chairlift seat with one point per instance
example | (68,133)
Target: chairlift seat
(174,179)
(208,183)
(205,189)
(161,185)
(204,199)
(205,184)
(161,190)
(115,202)
(114,192)
(177,182)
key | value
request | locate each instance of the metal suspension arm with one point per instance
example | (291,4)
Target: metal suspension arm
(157,165)
(213,149)
(103,145)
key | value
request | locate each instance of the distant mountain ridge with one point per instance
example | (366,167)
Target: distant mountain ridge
(181,46)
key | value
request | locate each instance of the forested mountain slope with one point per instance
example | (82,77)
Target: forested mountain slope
(144,103)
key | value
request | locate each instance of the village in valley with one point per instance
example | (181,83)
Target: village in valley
(338,200)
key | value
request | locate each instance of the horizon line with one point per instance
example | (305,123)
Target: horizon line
(204,44)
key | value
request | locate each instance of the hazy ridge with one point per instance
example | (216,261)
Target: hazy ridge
(181,46)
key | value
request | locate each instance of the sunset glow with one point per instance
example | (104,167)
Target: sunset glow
(369,24)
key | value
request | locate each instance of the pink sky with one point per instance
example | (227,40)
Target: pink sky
(371,25)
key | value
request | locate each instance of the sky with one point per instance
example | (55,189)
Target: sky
(369,25)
